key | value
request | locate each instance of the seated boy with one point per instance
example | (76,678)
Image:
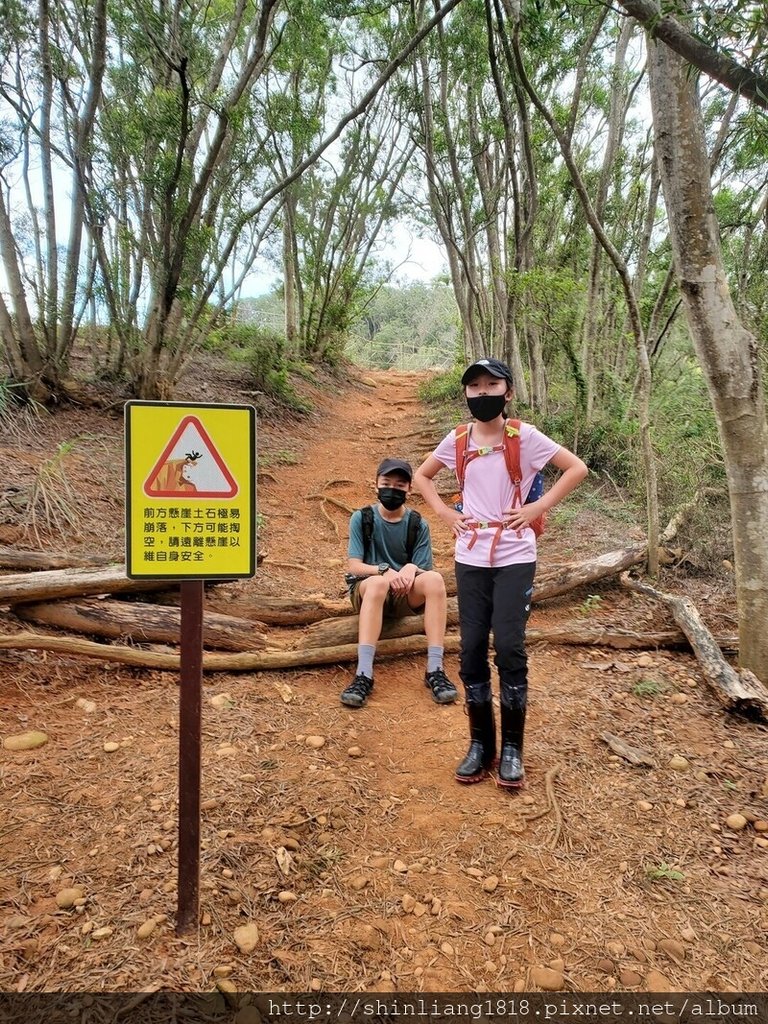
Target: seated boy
(388,576)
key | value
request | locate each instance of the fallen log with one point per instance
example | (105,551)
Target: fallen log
(141,622)
(242,662)
(278,611)
(58,583)
(736,689)
(275,660)
(343,629)
(331,632)
(568,577)
(17,558)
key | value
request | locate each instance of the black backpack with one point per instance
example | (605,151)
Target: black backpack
(414,524)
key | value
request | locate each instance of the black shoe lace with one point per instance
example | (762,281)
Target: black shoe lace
(360,685)
(439,682)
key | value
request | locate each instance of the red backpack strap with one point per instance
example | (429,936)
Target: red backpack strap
(462,433)
(512,458)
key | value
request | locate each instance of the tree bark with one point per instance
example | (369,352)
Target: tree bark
(728,353)
(143,623)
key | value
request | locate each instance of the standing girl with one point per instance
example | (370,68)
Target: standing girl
(495,559)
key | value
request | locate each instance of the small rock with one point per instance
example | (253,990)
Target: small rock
(616,949)
(66,897)
(489,938)
(400,867)
(644,805)
(729,744)
(736,821)
(655,981)
(679,698)
(475,872)
(223,971)
(446,948)
(419,909)
(209,805)
(246,938)
(490,883)
(146,929)
(605,966)
(314,742)
(678,763)
(437,906)
(315,985)
(556,939)
(221,701)
(355,752)
(247,1015)
(761,843)
(379,861)
(25,741)
(286,896)
(645,661)
(110,746)
(630,979)
(408,902)
(688,934)
(760,825)
(675,950)
(547,979)
(359,882)
(101,933)
(88,706)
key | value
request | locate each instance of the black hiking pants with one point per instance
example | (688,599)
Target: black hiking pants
(494,598)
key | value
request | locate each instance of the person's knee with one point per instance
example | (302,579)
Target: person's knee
(376,590)
(431,583)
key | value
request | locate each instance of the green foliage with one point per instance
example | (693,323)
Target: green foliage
(662,872)
(262,350)
(649,688)
(442,388)
(590,604)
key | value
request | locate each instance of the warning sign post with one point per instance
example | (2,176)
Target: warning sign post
(191,491)
(190,516)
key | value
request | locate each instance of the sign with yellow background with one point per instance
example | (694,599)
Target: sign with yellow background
(190,491)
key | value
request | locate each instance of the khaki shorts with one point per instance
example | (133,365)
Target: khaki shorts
(395,605)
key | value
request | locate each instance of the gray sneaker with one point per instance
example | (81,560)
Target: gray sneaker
(443,690)
(357,692)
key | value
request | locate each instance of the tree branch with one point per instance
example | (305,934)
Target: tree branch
(717,65)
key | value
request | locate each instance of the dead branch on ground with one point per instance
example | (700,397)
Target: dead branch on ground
(736,689)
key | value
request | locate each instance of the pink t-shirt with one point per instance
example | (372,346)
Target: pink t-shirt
(488,493)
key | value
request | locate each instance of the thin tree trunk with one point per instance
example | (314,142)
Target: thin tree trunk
(728,353)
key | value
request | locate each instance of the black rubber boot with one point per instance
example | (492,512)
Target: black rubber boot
(511,770)
(482,743)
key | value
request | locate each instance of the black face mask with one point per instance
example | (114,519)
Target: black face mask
(486,407)
(392,498)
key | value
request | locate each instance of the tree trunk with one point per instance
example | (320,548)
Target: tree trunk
(142,623)
(728,353)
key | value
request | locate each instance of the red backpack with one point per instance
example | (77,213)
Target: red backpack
(511,448)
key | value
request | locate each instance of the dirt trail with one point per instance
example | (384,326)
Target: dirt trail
(398,879)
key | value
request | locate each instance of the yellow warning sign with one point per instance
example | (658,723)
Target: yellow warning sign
(190,490)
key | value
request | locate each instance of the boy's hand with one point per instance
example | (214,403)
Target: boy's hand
(454,520)
(402,581)
(519,517)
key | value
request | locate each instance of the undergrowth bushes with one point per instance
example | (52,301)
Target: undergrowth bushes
(262,350)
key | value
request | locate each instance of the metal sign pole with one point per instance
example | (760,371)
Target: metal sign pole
(190,755)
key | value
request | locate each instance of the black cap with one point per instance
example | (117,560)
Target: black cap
(493,366)
(395,465)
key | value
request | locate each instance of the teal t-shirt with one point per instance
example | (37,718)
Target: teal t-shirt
(388,543)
